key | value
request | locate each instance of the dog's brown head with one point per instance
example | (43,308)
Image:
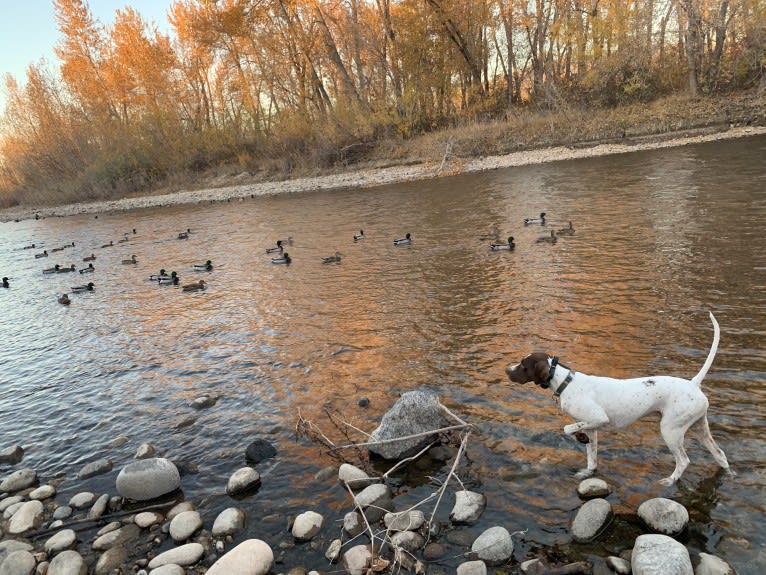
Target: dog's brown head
(534,367)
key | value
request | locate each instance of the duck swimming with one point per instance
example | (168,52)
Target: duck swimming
(196,286)
(332,259)
(52,270)
(64,299)
(276,248)
(44,254)
(184,235)
(5,283)
(89,258)
(66,270)
(172,279)
(283,259)
(359,236)
(407,239)
(87,287)
(159,276)
(503,246)
(540,220)
(567,231)
(110,244)
(89,269)
(132,260)
(551,239)
(206,267)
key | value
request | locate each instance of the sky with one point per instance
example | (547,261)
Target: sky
(28,30)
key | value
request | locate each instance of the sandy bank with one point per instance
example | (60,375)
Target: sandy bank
(375,177)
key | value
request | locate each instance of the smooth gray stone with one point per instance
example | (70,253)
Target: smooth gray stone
(18,563)
(19,480)
(148,479)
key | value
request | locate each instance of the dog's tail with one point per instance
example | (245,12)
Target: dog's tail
(697,379)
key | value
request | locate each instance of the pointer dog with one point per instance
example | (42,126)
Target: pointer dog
(603,402)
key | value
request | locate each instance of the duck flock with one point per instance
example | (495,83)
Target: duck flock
(277,252)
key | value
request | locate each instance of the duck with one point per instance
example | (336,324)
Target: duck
(29,247)
(124,239)
(159,276)
(283,259)
(551,239)
(64,299)
(277,248)
(89,269)
(493,235)
(332,259)
(71,268)
(359,236)
(132,260)
(540,220)
(5,283)
(110,244)
(407,239)
(184,235)
(196,286)
(59,249)
(89,258)
(503,246)
(52,270)
(206,267)
(172,279)
(567,231)
(87,287)
(43,254)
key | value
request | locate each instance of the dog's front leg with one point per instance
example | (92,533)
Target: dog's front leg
(591,449)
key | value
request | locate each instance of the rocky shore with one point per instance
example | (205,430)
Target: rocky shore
(145,526)
(368,178)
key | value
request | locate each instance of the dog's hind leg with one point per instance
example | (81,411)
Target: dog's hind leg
(707,439)
(674,438)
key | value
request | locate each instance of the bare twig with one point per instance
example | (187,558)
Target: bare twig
(404,437)
(451,473)
(408,459)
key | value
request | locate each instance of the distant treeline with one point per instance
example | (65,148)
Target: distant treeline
(285,81)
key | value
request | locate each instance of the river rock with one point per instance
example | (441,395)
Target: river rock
(10,545)
(182,555)
(82,500)
(494,546)
(242,481)
(251,557)
(654,554)
(712,565)
(590,520)
(19,480)
(468,506)
(18,563)
(10,501)
(408,540)
(411,520)
(117,537)
(259,450)
(472,568)
(68,563)
(12,509)
(333,551)
(61,541)
(203,401)
(619,565)
(184,525)
(415,412)
(98,467)
(62,512)
(29,516)
(169,569)
(593,487)
(145,451)
(664,516)
(146,519)
(357,560)
(148,479)
(306,525)
(353,524)
(228,522)
(354,477)
(179,508)
(12,455)
(111,560)
(43,492)
(99,507)
(374,501)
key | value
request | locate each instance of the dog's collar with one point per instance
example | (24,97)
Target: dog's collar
(547,383)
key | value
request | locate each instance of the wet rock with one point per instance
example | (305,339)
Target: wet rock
(415,412)
(333,551)
(61,541)
(62,512)
(10,545)
(12,509)
(82,500)
(259,450)
(68,563)
(244,480)
(12,455)
(468,506)
(118,442)
(494,546)
(433,551)
(19,480)
(712,565)
(618,565)
(353,523)
(99,507)
(251,557)
(306,525)
(10,501)
(169,569)
(374,501)
(110,560)
(472,568)
(148,479)
(18,562)
(184,525)
(534,566)
(664,516)
(357,559)
(653,554)
(119,536)
(146,519)
(183,555)
(228,522)
(145,451)
(590,520)
(94,468)
(354,477)
(408,540)
(29,516)
(43,492)
(593,487)
(404,520)
(204,401)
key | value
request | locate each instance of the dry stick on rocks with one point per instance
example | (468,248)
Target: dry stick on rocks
(443,487)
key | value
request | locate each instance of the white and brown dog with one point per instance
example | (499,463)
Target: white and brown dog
(604,402)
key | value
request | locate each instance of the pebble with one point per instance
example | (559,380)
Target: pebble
(94,468)
(404,520)
(64,539)
(43,492)
(244,480)
(228,522)
(654,554)
(117,537)
(19,480)
(183,555)
(357,559)
(110,560)
(307,525)
(590,520)
(354,477)
(468,507)
(593,487)
(184,525)
(62,512)
(145,451)
(472,568)
(146,519)
(494,546)
(82,500)
(251,557)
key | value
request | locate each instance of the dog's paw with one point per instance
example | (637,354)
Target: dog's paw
(582,437)
(585,473)
(667,482)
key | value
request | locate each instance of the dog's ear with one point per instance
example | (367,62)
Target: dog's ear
(541,369)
